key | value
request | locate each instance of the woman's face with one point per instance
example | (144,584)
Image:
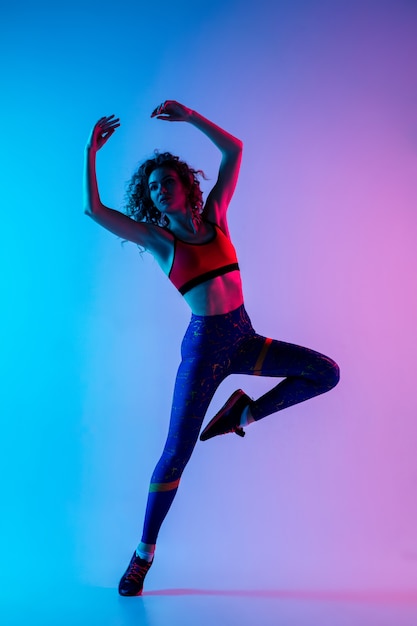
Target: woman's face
(167,191)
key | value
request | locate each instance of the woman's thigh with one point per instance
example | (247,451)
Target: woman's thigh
(262,356)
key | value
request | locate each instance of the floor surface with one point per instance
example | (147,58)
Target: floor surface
(94,606)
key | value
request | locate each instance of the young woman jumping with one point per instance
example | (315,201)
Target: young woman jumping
(190,240)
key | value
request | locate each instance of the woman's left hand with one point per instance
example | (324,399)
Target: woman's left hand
(172,111)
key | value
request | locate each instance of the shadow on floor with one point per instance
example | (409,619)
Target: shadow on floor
(371,596)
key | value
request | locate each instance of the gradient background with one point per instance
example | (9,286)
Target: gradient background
(324,95)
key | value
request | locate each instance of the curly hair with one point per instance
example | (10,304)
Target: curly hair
(138,202)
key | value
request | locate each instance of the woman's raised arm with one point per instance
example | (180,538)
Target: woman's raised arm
(147,235)
(230,147)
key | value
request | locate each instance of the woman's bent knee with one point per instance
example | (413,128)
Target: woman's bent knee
(332,374)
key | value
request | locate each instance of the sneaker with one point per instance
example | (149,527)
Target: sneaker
(131,583)
(227,420)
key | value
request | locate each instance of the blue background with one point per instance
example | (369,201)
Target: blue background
(324,96)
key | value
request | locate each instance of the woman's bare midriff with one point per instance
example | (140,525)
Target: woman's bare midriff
(216,296)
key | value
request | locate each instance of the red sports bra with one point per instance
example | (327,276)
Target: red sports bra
(194,263)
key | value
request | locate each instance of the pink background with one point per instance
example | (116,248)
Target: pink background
(324,96)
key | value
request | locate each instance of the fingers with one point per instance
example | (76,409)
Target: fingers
(103,130)
(164,108)
(105,127)
(159,109)
(109,121)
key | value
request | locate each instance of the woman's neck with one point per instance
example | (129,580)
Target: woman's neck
(184,225)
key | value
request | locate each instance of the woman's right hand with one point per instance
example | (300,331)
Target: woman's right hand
(102,131)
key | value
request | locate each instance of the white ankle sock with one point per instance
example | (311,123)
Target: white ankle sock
(246,417)
(145,551)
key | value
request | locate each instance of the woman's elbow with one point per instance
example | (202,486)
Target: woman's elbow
(92,209)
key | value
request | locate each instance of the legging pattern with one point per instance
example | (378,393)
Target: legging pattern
(214,347)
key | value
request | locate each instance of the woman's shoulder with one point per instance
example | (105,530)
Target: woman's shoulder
(216,229)
(217,225)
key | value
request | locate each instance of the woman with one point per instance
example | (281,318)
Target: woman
(190,241)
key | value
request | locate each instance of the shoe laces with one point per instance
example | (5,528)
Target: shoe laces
(136,571)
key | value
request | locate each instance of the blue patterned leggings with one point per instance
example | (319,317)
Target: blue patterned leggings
(214,347)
